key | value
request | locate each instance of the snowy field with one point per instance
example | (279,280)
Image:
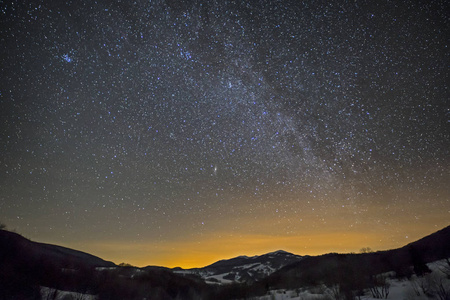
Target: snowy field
(54,294)
(435,285)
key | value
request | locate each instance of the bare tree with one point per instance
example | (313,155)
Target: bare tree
(366,250)
(50,294)
(442,290)
(444,267)
(335,292)
(415,286)
(427,284)
(380,287)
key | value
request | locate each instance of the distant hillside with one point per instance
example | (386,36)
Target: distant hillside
(15,246)
(432,247)
(332,268)
(26,266)
(243,268)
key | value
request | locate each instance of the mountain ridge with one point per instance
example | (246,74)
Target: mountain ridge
(243,268)
(404,261)
(422,243)
(13,243)
(27,266)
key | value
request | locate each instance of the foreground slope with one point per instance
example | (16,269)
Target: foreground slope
(31,270)
(15,246)
(358,268)
(26,267)
(435,284)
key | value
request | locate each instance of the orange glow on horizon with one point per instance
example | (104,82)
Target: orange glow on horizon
(269,227)
(213,247)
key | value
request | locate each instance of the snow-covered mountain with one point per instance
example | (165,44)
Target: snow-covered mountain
(243,268)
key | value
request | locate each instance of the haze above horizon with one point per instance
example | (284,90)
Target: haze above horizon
(178,133)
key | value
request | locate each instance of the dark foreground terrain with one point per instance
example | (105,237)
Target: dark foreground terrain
(27,266)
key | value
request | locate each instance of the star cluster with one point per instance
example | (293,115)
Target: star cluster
(171,121)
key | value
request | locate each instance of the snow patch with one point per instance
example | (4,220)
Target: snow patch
(51,293)
(412,289)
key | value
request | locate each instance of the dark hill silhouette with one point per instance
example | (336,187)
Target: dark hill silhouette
(245,269)
(26,265)
(432,247)
(15,246)
(335,268)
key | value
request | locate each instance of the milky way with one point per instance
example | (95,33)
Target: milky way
(154,121)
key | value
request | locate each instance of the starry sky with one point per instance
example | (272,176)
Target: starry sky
(178,133)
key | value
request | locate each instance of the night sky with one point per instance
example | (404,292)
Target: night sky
(178,133)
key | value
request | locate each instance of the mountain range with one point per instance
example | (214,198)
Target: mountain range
(27,267)
(243,268)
